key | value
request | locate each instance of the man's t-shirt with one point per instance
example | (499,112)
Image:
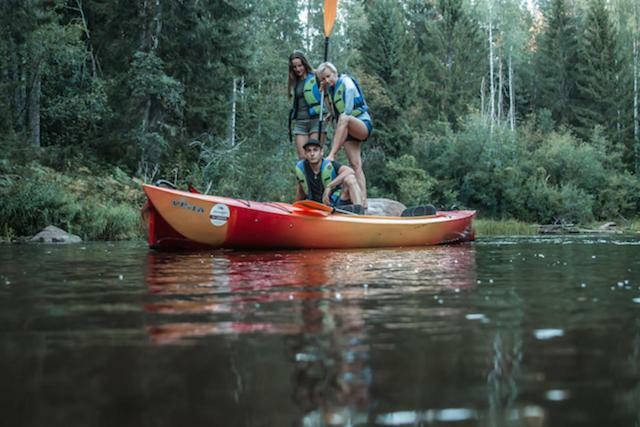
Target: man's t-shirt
(314,182)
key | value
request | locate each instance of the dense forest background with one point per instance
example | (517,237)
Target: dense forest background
(525,110)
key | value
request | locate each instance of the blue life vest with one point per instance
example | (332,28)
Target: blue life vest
(327,174)
(337,96)
(312,96)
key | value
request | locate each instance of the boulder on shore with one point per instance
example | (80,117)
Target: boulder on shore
(52,234)
(385,207)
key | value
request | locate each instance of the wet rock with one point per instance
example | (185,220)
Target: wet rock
(608,226)
(385,207)
(52,234)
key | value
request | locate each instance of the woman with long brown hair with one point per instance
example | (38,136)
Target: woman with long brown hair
(304,91)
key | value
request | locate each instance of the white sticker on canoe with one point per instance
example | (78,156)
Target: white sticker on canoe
(219,215)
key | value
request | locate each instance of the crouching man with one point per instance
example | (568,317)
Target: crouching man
(326,181)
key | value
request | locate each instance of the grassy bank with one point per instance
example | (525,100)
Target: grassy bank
(511,227)
(491,227)
(96,205)
(630,226)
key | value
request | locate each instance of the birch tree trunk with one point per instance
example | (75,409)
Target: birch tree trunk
(7,97)
(20,83)
(152,14)
(258,115)
(34,107)
(500,91)
(32,83)
(85,28)
(512,96)
(232,118)
(15,78)
(483,87)
(307,37)
(152,21)
(636,124)
(492,88)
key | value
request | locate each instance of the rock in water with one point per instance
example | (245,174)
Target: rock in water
(385,207)
(52,234)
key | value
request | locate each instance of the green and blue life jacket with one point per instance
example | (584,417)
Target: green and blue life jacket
(337,96)
(312,96)
(327,173)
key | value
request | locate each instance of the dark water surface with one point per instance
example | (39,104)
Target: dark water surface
(502,332)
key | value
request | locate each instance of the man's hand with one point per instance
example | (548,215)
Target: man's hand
(326,196)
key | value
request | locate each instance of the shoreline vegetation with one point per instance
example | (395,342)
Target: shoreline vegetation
(104,205)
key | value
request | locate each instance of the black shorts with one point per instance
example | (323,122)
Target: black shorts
(342,202)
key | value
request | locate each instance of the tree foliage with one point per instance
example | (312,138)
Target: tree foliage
(195,90)
(556,62)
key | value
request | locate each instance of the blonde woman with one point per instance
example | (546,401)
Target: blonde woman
(305,93)
(354,123)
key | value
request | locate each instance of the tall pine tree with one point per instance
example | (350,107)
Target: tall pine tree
(556,58)
(598,76)
(387,73)
(453,55)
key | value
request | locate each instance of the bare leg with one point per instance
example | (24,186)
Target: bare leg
(314,135)
(300,141)
(347,125)
(352,150)
(352,190)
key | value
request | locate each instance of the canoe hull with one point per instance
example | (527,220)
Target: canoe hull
(182,220)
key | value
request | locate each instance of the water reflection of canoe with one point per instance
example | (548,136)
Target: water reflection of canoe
(184,220)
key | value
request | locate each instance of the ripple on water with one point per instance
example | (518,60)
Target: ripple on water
(399,418)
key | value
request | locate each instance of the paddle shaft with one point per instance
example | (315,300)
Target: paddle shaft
(316,206)
(326,55)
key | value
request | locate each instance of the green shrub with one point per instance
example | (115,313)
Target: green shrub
(618,197)
(567,161)
(248,171)
(512,227)
(105,207)
(109,222)
(576,205)
(29,206)
(410,184)
(542,202)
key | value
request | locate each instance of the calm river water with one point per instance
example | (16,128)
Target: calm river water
(501,332)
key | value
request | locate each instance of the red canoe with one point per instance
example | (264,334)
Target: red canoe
(185,220)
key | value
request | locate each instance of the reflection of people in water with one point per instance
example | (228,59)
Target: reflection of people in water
(327,341)
(332,373)
(313,298)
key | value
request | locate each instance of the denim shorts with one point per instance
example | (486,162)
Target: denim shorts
(307,127)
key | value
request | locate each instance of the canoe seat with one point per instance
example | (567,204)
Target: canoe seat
(421,210)
(166,184)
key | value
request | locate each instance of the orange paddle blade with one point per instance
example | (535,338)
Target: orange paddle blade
(310,204)
(330,10)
